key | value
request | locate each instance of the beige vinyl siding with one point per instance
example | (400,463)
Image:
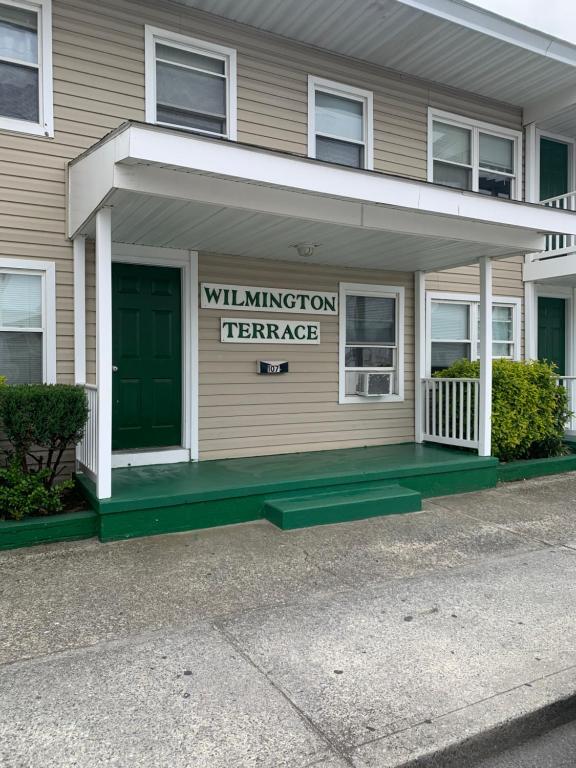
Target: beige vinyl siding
(98,84)
(244,414)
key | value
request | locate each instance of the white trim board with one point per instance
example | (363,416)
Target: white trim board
(47,271)
(365,97)
(153,35)
(476,127)
(474,299)
(187,261)
(398,292)
(45,124)
(242,177)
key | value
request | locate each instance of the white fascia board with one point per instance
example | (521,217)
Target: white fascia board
(91,179)
(496,26)
(558,102)
(550,269)
(257,166)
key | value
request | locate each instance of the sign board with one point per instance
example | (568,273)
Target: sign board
(238,297)
(237,331)
(272,367)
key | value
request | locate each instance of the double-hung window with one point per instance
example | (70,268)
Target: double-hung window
(371,343)
(455,329)
(190,84)
(340,123)
(26,67)
(27,322)
(465,154)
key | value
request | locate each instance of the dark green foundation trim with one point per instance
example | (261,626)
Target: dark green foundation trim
(43,530)
(524,470)
(181,497)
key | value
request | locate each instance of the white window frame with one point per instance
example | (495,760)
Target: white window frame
(473,301)
(477,127)
(154,35)
(45,124)
(366,98)
(396,292)
(47,271)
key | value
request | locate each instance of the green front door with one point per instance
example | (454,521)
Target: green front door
(553,168)
(552,332)
(147,357)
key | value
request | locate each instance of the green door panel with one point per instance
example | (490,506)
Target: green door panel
(553,168)
(147,351)
(552,332)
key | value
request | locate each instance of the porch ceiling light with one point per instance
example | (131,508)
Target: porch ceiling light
(306,250)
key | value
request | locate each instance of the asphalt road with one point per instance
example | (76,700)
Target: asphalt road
(555,749)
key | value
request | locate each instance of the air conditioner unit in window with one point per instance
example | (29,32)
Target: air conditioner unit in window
(374,384)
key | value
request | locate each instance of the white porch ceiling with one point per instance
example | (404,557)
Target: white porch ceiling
(148,220)
(448,42)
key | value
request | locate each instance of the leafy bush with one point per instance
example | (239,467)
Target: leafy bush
(42,421)
(529,409)
(27,494)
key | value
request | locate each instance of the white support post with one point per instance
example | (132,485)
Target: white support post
(419,351)
(104,350)
(79,247)
(530,321)
(532,159)
(485,410)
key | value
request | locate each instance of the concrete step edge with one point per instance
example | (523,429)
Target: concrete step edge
(462,738)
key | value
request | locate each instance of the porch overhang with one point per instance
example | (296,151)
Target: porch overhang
(170,188)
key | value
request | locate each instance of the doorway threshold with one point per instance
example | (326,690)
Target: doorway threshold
(145,457)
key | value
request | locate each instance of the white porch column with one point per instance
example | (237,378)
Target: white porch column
(104,350)
(485,410)
(532,156)
(419,350)
(79,247)
(530,321)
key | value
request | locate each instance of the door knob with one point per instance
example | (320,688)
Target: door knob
(114,368)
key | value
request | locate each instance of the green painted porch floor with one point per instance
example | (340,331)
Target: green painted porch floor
(177,497)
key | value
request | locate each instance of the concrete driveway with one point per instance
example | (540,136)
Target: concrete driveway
(362,644)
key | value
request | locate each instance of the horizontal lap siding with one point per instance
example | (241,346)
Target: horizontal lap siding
(99,83)
(244,414)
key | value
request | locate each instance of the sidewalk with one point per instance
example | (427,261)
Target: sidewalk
(365,644)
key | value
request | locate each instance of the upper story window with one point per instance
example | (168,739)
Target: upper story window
(190,84)
(466,154)
(27,321)
(340,123)
(26,67)
(371,343)
(455,329)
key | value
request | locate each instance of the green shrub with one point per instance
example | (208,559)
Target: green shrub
(27,494)
(529,410)
(42,421)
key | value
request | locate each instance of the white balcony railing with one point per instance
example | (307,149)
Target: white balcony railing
(451,408)
(558,245)
(87,451)
(569,382)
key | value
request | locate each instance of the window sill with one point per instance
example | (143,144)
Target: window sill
(347,399)
(8,125)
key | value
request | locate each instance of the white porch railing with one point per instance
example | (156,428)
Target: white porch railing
(558,245)
(451,408)
(87,451)
(569,382)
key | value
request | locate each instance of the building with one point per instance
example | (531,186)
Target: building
(253,229)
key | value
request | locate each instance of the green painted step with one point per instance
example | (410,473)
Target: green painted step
(335,506)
